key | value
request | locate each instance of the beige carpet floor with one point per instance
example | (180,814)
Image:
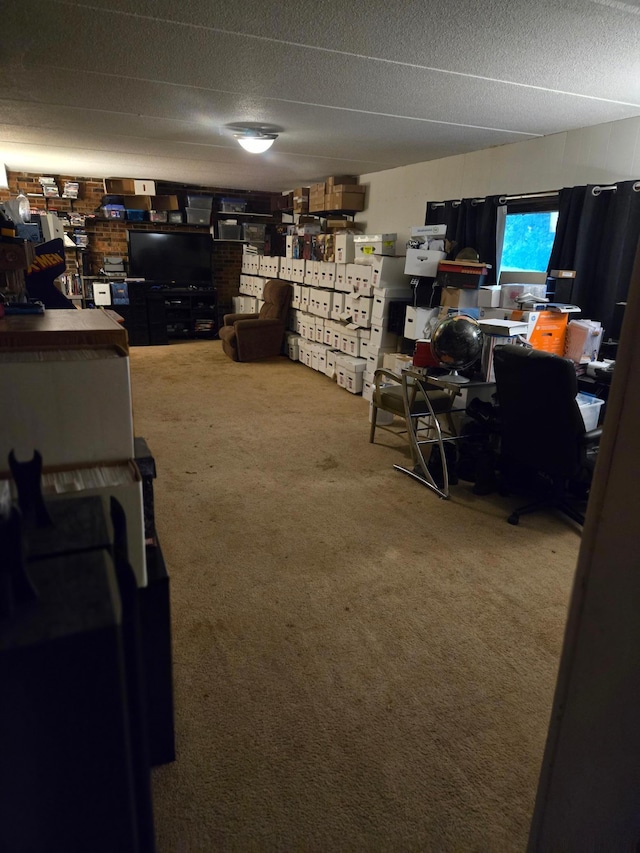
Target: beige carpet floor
(359,666)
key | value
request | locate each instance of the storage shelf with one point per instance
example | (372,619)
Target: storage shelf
(222,240)
(245,213)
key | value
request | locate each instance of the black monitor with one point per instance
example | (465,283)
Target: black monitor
(173,257)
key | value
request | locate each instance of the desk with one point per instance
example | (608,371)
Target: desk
(414,380)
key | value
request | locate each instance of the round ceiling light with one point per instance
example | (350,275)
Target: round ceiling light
(255,141)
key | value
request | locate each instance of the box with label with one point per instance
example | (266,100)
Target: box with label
(297,270)
(423,262)
(359,276)
(546,329)
(467,274)
(327,274)
(350,373)
(381,337)
(119,293)
(102,293)
(431,231)
(388,271)
(382,298)
(338,305)
(344,250)
(362,308)
(129,186)
(367,245)
(509,293)
(305,297)
(417,322)
(341,281)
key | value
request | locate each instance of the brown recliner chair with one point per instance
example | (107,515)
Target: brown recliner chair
(247,337)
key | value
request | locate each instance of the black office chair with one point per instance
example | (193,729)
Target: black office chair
(542,431)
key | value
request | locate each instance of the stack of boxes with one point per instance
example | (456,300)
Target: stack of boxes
(339,318)
(136,201)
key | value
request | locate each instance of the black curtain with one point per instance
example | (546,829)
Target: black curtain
(471,223)
(597,236)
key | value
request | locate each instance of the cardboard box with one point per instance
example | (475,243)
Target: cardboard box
(464,274)
(423,262)
(337,180)
(345,201)
(388,271)
(164,202)
(382,299)
(562,273)
(374,244)
(347,189)
(341,280)
(489,297)
(73,407)
(417,320)
(546,329)
(317,204)
(101,293)
(344,250)
(456,297)
(381,337)
(429,231)
(137,202)
(126,186)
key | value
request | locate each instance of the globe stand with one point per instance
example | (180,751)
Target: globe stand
(456,379)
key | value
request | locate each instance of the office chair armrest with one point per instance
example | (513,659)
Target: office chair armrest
(230,319)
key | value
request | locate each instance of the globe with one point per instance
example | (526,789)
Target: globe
(456,343)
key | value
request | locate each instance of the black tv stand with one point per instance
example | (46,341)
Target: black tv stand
(159,311)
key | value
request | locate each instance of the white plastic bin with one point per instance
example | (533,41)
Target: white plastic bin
(590,409)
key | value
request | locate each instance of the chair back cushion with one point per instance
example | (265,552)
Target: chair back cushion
(277,297)
(540,420)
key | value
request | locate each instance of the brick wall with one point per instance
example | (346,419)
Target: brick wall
(110,238)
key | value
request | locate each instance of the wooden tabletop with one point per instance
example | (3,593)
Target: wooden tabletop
(62,328)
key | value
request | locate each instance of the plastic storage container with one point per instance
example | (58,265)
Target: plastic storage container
(175,217)
(590,409)
(229,231)
(157,216)
(233,205)
(253,232)
(203,202)
(136,215)
(198,216)
(113,211)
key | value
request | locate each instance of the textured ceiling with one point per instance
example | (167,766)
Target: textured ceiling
(145,88)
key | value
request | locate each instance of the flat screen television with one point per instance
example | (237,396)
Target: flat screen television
(182,258)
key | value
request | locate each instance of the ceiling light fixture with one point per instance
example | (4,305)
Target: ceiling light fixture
(255,141)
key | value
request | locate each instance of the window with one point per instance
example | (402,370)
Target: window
(528,240)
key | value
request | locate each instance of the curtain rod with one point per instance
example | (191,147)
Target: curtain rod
(503,199)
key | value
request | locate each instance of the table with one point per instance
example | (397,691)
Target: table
(61,327)
(414,380)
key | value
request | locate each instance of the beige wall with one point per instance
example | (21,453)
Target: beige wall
(606,152)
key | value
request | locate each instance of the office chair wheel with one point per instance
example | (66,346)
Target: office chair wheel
(514,518)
